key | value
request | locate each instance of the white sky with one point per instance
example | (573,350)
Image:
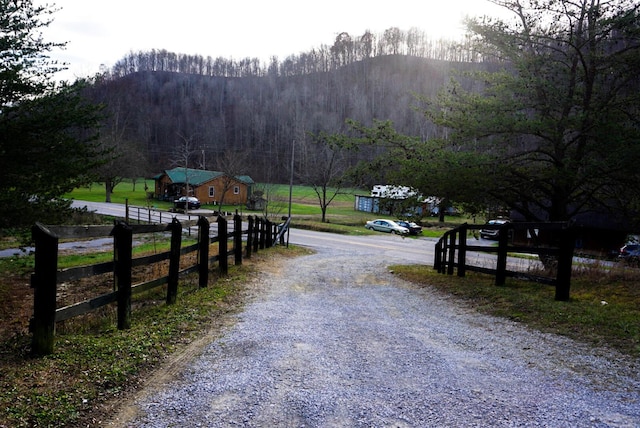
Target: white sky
(102,32)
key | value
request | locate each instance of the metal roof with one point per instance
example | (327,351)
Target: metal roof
(197,177)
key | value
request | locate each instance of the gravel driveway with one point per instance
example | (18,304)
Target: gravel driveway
(335,340)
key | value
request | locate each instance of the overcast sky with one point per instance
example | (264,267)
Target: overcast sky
(101,32)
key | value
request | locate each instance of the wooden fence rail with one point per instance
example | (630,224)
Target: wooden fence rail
(558,246)
(261,233)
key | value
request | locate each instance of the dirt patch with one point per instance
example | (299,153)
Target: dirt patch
(16,306)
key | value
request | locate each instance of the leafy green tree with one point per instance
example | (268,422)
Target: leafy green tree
(431,167)
(556,123)
(547,125)
(46,129)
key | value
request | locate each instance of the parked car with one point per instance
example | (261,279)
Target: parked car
(630,253)
(492,233)
(192,202)
(435,211)
(388,226)
(414,229)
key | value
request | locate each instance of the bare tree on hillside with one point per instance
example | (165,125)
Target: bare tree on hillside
(232,163)
(183,155)
(323,168)
(274,204)
(125,160)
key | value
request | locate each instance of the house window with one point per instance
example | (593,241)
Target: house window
(212,191)
(236,190)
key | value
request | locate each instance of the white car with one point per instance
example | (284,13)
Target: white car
(388,226)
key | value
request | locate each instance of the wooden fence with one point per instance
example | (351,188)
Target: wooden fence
(260,234)
(557,249)
(151,215)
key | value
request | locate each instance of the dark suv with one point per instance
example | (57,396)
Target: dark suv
(414,229)
(492,233)
(190,202)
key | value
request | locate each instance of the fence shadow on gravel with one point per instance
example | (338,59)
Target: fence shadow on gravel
(260,234)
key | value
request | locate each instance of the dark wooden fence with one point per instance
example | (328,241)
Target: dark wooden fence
(553,243)
(260,234)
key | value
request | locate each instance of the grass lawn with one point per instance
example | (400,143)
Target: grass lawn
(604,309)
(305,208)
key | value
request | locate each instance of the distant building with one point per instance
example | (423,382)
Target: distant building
(390,200)
(392,191)
(207,186)
(400,200)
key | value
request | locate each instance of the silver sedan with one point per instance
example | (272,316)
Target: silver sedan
(388,226)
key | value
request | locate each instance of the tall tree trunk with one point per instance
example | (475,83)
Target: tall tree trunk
(108,185)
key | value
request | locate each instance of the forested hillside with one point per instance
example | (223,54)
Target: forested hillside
(260,116)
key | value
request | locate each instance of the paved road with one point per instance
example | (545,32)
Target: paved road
(142,213)
(110,209)
(409,250)
(380,246)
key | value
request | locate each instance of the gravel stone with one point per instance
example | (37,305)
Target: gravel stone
(335,340)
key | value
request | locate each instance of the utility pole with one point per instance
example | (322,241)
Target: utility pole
(293,148)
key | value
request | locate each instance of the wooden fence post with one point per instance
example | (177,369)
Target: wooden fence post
(203,252)
(444,252)
(123,240)
(174,261)
(501,264)
(437,257)
(452,252)
(268,234)
(462,250)
(565,263)
(249,236)
(263,232)
(237,238)
(256,234)
(44,281)
(223,262)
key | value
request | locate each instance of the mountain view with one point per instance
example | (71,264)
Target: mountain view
(159,101)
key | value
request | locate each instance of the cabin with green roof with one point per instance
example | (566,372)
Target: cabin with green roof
(210,187)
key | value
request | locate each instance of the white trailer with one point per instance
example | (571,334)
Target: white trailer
(392,191)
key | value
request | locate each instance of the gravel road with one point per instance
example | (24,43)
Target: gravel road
(335,340)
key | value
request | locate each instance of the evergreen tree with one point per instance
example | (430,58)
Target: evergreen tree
(557,123)
(46,129)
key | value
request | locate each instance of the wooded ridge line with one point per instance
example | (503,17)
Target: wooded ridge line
(260,117)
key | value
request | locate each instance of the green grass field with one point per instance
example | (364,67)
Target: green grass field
(305,207)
